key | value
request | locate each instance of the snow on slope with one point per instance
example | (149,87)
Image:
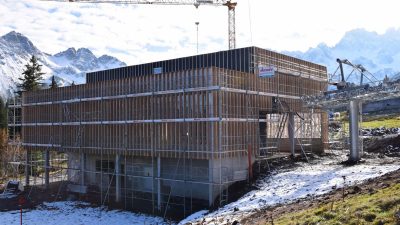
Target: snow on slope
(283,186)
(296,183)
(67,66)
(77,213)
(379,54)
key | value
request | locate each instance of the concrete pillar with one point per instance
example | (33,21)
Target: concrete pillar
(83,166)
(210,180)
(324,131)
(292,143)
(118,178)
(47,168)
(159,183)
(27,167)
(354,130)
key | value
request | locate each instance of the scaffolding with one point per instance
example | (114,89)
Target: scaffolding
(143,139)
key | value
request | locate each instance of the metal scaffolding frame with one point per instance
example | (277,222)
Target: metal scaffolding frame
(209,115)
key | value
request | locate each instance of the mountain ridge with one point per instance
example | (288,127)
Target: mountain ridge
(378,53)
(67,66)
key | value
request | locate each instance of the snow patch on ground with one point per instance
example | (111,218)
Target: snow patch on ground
(77,213)
(307,180)
(283,186)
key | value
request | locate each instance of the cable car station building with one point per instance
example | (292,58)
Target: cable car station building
(177,132)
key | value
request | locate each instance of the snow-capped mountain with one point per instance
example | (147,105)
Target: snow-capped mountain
(67,66)
(379,54)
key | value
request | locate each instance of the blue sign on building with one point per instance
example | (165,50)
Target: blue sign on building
(157,70)
(266,71)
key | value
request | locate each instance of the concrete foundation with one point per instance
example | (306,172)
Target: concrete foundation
(82,168)
(196,179)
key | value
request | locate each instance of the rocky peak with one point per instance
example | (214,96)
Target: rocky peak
(85,53)
(18,40)
(106,59)
(69,53)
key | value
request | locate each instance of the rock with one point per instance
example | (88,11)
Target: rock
(397,216)
(356,189)
(235,209)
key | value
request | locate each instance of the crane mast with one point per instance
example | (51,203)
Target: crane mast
(228,3)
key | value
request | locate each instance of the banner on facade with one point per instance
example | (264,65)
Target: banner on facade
(266,71)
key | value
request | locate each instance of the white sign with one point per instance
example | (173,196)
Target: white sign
(157,70)
(266,71)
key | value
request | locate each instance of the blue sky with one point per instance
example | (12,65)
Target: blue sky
(142,33)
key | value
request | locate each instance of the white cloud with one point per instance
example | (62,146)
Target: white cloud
(142,33)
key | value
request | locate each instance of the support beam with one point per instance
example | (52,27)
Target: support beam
(291,134)
(83,166)
(210,186)
(27,167)
(250,165)
(354,116)
(47,168)
(159,183)
(118,178)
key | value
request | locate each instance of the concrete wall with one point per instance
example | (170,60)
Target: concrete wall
(197,179)
(74,163)
(139,173)
(317,145)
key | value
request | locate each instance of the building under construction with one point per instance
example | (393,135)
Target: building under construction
(177,133)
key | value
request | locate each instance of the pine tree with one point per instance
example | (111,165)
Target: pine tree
(32,75)
(53,83)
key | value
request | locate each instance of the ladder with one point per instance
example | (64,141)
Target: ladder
(223,196)
(268,149)
(275,144)
(67,113)
(223,199)
(79,136)
(304,134)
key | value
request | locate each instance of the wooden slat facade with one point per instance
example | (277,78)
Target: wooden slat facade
(202,112)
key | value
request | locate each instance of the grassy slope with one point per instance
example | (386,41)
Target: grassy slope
(377,208)
(388,123)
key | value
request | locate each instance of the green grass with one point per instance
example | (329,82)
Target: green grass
(384,122)
(376,122)
(377,208)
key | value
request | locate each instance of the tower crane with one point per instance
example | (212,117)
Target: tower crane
(228,3)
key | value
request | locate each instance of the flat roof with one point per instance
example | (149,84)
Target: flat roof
(240,59)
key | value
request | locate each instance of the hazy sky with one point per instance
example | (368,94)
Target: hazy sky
(143,33)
